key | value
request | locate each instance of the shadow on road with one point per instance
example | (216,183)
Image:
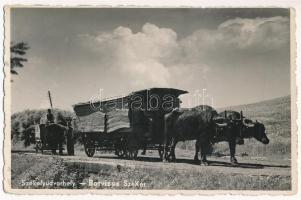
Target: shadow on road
(23,151)
(211,163)
(217,163)
(245,165)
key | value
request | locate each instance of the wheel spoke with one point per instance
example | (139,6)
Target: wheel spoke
(90,148)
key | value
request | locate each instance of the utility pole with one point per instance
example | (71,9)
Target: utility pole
(49,96)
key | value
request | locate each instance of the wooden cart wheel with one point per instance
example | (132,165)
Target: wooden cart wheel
(120,148)
(120,153)
(90,148)
(39,146)
(166,156)
(90,151)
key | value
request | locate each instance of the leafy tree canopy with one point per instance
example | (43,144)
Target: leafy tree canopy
(18,50)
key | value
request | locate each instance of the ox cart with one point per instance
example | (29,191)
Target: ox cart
(126,124)
(53,137)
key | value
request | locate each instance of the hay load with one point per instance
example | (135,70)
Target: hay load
(103,116)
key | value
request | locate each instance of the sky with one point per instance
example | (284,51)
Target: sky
(236,56)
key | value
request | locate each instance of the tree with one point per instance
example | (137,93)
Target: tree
(17,50)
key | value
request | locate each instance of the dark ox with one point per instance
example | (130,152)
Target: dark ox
(191,124)
(207,127)
(241,127)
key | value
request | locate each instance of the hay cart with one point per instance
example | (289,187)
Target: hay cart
(126,124)
(52,136)
(44,140)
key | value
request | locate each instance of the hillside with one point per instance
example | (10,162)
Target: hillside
(275,114)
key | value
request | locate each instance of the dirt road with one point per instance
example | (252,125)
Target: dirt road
(247,166)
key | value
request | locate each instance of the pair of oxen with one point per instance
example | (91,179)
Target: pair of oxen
(207,127)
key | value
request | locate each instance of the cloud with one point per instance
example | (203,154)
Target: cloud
(143,57)
(155,56)
(267,33)
(259,35)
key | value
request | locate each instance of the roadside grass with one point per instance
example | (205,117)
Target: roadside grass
(33,168)
(188,180)
(26,168)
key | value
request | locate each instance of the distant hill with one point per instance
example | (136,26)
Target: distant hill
(274,113)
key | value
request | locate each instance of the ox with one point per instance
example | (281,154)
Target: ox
(192,124)
(207,127)
(242,128)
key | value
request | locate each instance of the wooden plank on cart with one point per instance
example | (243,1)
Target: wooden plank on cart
(117,120)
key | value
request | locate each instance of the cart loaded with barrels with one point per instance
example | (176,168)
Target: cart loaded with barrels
(126,124)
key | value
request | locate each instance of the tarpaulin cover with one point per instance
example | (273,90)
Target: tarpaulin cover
(94,122)
(117,119)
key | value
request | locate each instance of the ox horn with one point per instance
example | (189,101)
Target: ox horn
(221,124)
(250,125)
(177,111)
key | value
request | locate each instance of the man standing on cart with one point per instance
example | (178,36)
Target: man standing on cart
(50,117)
